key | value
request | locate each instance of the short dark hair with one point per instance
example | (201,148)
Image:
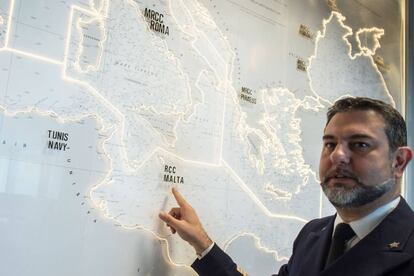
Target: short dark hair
(395,127)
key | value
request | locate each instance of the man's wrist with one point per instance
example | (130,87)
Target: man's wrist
(205,252)
(203,244)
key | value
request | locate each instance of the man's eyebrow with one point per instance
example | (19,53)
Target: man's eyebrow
(354,136)
(360,136)
(328,137)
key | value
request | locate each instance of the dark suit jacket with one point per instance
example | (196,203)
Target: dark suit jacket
(387,250)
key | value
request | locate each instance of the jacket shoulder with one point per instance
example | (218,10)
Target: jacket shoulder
(317,224)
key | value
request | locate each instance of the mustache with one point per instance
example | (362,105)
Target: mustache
(340,171)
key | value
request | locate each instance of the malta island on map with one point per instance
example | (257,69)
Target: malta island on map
(107,105)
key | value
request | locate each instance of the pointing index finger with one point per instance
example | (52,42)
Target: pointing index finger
(179,198)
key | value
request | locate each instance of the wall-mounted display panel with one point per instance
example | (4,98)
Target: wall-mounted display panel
(105,105)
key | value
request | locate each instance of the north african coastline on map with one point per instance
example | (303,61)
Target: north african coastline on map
(164,91)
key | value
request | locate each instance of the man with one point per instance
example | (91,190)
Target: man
(363,158)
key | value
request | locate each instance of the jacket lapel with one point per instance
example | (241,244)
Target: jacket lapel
(317,245)
(380,251)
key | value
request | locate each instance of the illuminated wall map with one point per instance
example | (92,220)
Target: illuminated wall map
(106,104)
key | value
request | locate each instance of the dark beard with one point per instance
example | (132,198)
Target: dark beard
(359,195)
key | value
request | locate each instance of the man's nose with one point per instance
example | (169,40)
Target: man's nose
(341,154)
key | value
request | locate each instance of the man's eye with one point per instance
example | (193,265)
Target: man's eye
(329,145)
(360,145)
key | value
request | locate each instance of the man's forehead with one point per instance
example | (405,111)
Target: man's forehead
(356,123)
(356,116)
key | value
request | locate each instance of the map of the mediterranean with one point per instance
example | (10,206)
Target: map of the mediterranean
(105,105)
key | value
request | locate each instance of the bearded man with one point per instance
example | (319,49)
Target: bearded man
(363,158)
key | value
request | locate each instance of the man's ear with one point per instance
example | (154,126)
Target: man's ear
(402,157)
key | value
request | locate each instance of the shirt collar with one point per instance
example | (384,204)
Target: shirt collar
(365,225)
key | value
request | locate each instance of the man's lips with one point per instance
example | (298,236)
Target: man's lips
(341,180)
(340,177)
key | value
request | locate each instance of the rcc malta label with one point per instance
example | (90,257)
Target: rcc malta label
(170,175)
(57,140)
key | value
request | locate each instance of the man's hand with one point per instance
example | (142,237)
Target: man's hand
(185,222)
